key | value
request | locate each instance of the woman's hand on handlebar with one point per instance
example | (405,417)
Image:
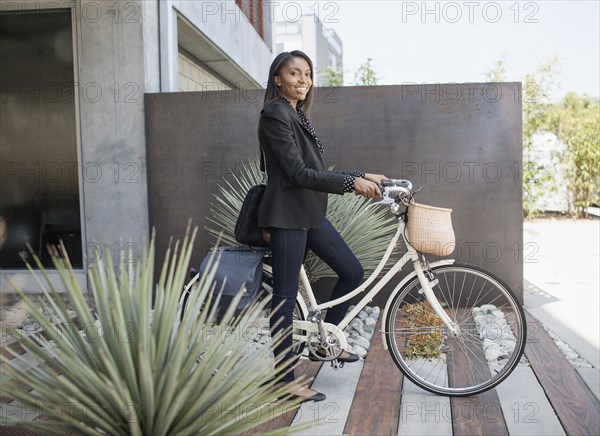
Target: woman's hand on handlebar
(375,178)
(366,188)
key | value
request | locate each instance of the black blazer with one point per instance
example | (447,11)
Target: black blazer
(296,193)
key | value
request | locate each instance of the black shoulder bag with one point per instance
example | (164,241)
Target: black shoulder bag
(247,231)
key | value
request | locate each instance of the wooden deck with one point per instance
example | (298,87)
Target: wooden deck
(378,399)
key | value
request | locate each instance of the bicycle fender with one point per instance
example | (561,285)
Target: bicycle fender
(397,289)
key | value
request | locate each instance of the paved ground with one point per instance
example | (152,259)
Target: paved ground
(561,290)
(562,284)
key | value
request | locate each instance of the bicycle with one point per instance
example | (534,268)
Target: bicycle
(451,329)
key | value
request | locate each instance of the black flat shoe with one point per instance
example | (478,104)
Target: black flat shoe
(304,393)
(346,357)
(317,396)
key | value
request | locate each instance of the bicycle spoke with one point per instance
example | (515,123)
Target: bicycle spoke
(450,306)
(466,289)
(492,301)
(471,365)
(433,330)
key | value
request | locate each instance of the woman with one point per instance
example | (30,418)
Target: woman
(295,200)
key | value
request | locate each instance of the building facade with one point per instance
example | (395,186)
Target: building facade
(73,145)
(308,34)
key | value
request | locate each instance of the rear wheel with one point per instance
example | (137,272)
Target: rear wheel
(486,350)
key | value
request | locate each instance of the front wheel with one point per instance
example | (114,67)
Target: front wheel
(487,348)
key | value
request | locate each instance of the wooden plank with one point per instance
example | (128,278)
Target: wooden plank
(15,345)
(5,398)
(376,405)
(478,414)
(14,431)
(575,405)
(304,367)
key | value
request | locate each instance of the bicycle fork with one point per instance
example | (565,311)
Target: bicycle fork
(426,289)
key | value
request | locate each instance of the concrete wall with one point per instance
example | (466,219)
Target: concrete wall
(192,77)
(230,30)
(113,80)
(461,142)
(120,51)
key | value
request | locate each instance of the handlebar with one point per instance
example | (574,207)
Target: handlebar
(395,192)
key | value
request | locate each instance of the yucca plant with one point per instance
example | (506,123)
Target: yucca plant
(139,366)
(366,231)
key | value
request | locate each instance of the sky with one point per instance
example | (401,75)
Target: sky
(458,41)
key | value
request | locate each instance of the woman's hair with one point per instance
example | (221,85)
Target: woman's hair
(273,92)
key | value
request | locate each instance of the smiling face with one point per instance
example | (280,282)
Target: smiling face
(294,80)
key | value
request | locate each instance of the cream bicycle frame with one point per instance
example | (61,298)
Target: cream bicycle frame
(410,255)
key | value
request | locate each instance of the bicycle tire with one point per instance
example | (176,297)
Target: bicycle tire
(481,356)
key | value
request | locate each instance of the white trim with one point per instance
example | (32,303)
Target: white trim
(24,280)
(76,33)
(169,52)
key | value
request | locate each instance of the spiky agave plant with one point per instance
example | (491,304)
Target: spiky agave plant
(138,367)
(366,231)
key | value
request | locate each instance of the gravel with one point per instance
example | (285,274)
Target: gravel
(361,329)
(498,338)
(575,359)
(492,327)
(495,332)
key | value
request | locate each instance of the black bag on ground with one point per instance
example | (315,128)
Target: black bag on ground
(239,270)
(247,231)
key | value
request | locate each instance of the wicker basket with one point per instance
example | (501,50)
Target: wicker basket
(430,229)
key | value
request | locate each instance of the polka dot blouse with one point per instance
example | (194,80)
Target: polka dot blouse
(348,185)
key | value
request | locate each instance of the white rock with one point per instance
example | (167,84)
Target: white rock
(368,336)
(492,332)
(494,354)
(375,312)
(362,342)
(368,309)
(571,355)
(362,315)
(357,324)
(30,327)
(487,308)
(370,322)
(498,314)
(369,329)
(360,351)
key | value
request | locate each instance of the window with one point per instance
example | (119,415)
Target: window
(39,200)
(253,10)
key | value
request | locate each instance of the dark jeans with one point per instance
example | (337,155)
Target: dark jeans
(288,247)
